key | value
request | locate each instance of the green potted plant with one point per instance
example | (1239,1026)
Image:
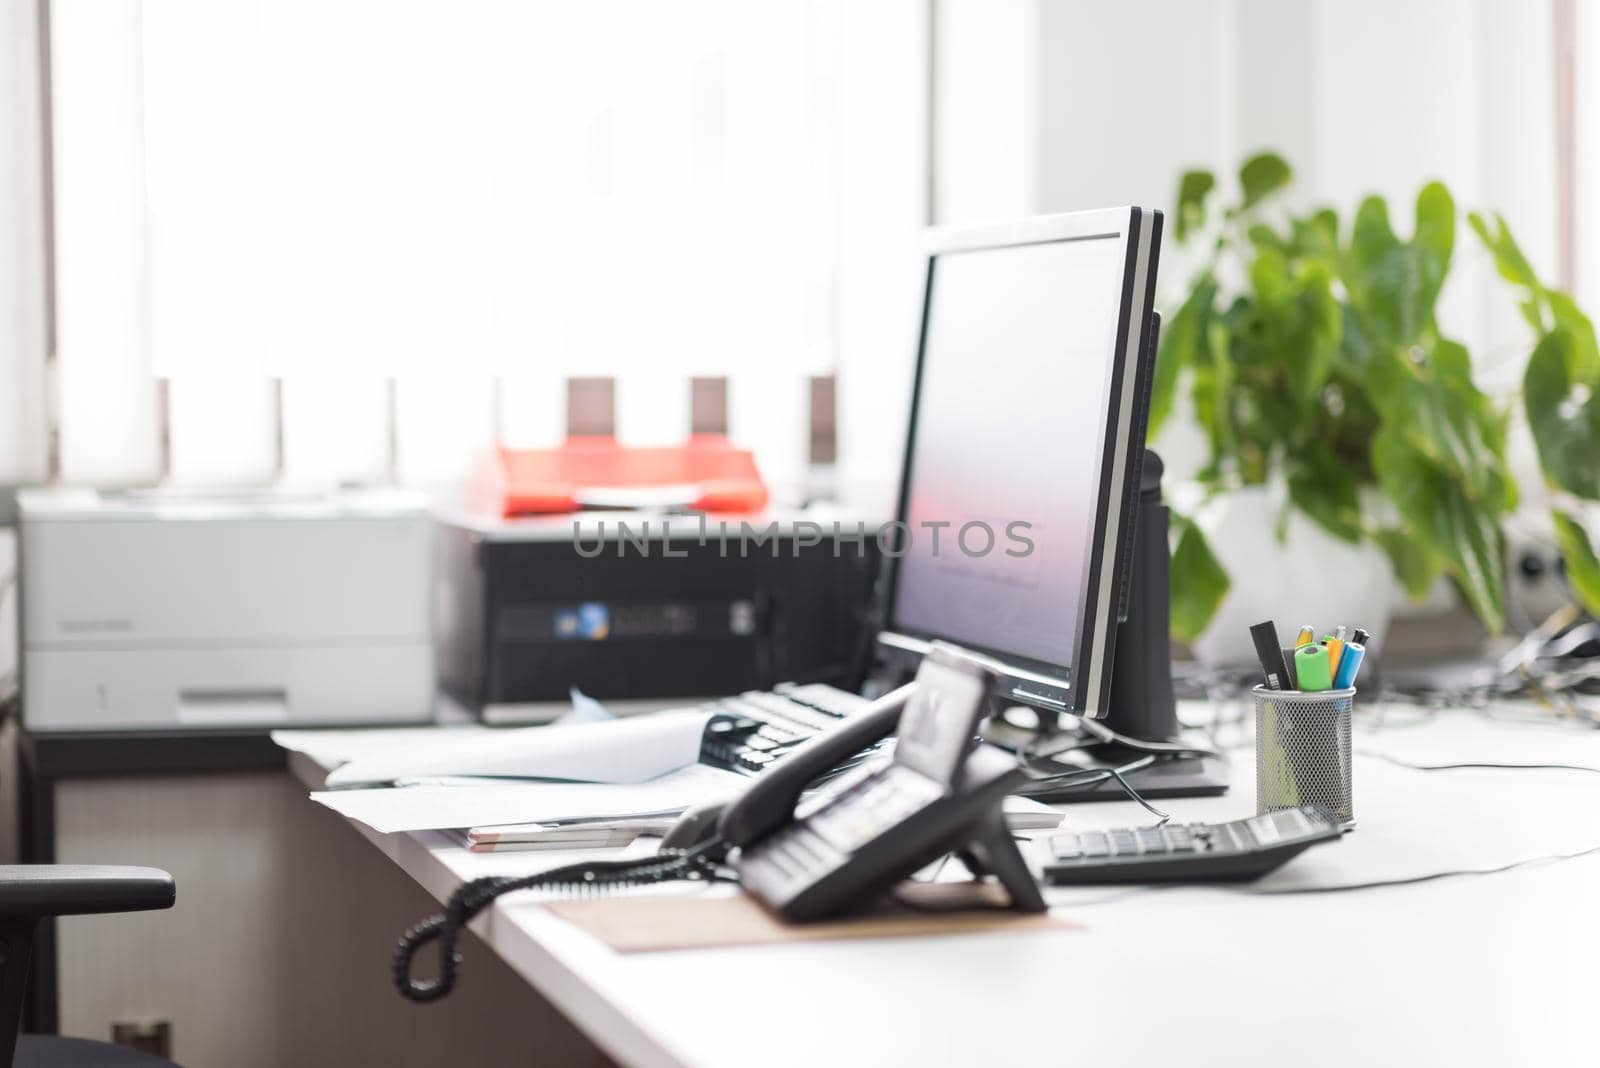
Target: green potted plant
(1345,439)
(1561,399)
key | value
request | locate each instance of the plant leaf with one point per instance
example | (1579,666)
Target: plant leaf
(1508,258)
(1584,363)
(1264,237)
(1437,511)
(1261,176)
(1564,415)
(1396,284)
(1318,326)
(1193,188)
(1324,488)
(1435,407)
(1356,348)
(1561,383)
(1432,242)
(1181,339)
(1292,327)
(1199,583)
(1415,567)
(1376,271)
(1212,394)
(1317,236)
(1583,569)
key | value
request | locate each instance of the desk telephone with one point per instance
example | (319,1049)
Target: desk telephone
(814,857)
(865,832)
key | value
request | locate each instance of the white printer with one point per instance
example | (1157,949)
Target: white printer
(167,610)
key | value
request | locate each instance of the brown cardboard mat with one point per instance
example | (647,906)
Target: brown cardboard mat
(646,924)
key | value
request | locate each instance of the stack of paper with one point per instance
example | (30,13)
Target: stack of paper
(439,807)
(588,772)
(608,751)
(583,785)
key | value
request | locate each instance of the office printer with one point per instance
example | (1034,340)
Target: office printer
(640,606)
(165,610)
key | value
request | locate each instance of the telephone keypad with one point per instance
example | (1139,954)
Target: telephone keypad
(873,806)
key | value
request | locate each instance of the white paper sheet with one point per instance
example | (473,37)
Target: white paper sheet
(631,750)
(330,748)
(585,709)
(419,808)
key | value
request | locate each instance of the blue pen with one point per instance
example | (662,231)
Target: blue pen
(1349,664)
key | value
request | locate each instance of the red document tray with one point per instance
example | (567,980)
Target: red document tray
(707,474)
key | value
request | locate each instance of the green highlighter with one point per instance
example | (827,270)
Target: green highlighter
(1312,668)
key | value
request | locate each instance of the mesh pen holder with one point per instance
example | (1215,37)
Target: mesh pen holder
(1303,751)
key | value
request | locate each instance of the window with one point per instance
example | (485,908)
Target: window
(333,214)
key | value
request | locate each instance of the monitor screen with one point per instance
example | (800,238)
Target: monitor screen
(1004,473)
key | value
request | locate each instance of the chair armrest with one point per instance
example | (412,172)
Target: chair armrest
(34,890)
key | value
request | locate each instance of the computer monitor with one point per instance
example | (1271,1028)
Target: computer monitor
(1014,508)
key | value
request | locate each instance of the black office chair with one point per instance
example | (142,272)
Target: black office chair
(28,894)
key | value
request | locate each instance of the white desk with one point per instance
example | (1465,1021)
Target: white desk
(1493,970)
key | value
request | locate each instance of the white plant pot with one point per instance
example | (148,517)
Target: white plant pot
(1308,577)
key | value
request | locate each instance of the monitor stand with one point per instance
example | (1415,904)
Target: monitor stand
(1142,704)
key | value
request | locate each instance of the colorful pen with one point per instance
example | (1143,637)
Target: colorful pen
(1335,648)
(1349,665)
(1308,634)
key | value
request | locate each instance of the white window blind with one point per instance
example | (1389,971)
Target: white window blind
(474,201)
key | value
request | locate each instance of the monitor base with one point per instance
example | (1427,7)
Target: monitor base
(1167,777)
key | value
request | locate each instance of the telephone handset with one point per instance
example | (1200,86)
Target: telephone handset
(867,831)
(856,838)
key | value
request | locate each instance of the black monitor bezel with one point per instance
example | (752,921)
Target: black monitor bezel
(1078,685)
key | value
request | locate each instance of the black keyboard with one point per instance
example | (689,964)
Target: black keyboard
(1241,850)
(750,732)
